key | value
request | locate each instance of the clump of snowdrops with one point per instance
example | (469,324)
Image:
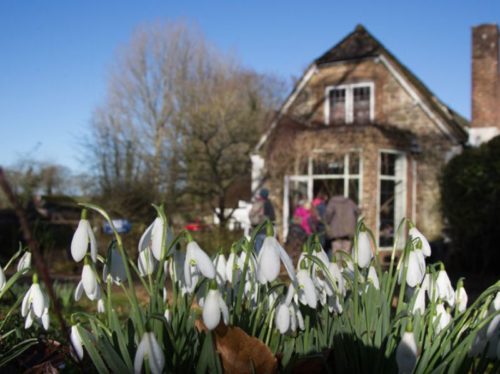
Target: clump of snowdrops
(346,310)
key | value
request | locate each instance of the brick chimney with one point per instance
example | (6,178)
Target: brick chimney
(485,122)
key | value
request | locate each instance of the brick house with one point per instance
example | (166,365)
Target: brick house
(360,124)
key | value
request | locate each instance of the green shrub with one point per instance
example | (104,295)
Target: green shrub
(470,189)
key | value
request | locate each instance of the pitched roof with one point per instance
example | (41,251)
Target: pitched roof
(361,44)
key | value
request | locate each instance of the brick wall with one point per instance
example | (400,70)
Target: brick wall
(485,76)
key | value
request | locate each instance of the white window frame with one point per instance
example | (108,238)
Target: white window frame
(349,100)
(309,178)
(396,178)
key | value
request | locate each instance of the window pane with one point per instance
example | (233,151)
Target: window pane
(386,228)
(337,105)
(387,164)
(354,161)
(354,190)
(328,164)
(361,104)
(333,187)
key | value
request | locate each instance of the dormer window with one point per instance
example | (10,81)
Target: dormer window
(351,103)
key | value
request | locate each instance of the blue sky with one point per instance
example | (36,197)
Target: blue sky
(55,56)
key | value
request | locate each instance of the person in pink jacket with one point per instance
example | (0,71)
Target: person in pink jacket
(304,217)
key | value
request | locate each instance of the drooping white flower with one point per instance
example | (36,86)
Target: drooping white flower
(34,301)
(416,268)
(220,269)
(196,258)
(24,262)
(76,341)
(443,317)
(168,314)
(150,349)
(101,307)
(2,279)
(444,289)
(282,318)
(82,238)
(422,242)
(363,252)
(269,261)
(231,267)
(373,278)
(334,304)
(152,238)
(88,284)
(146,262)
(303,288)
(461,299)
(114,267)
(338,277)
(406,353)
(419,305)
(213,307)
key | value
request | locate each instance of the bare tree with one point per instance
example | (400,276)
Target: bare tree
(179,120)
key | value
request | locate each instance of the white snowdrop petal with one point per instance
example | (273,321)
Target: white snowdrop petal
(416,268)
(93,243)
(373,277)
(461,299)
(145,240)
(419,301)
(156,237)
(224,310)
(25,262)
(426,247)
(287,261)
(282,318)
(76,342)
(203,263)
(79,291)
(139,355)
(28,321)
(2,278)
(308,289)
(37,300)
(89,280)
(406,353)
(80,241)
(230,266)
(155,354)
(220,269)
(146,262)
(268,267)
(46,319)
(25,306)
(101,308)
(211,310)
(364,252)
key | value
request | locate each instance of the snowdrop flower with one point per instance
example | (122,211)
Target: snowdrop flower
(303,288)
(24,262)
(296,319)
(35,305)
(422,243)
(282,319)
(373,278)
(268,261)
(416,268)
(150,349)
(334,304)
(101,308)
(213,307)
(406,353)
(231,266)
(419,305)
(76,341)
(146,262)
(443,289)
(363,251)
(220,269)
(114,267)
(168,314)
(443,317)
(461,297)
(196,258)
(338,277)
(2,279)
(82,237)
(88,284)
(152,237)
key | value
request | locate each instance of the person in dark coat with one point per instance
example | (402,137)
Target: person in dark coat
(341,216)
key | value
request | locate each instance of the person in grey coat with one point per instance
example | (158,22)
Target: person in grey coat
(341,216)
